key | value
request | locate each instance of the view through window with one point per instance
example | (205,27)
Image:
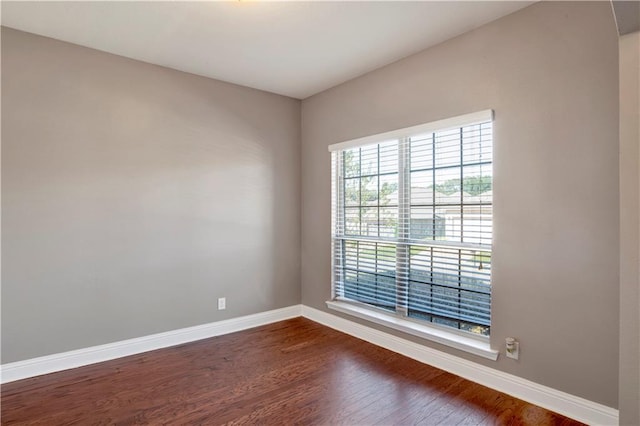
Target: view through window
(412,224)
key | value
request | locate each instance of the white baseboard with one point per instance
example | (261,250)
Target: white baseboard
(78,358)
(569,405)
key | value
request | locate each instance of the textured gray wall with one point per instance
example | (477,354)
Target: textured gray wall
(629,229)
(550,72)
(133,196)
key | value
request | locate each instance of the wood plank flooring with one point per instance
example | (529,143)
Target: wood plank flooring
(290,372)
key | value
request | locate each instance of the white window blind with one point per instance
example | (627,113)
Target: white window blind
(412,222)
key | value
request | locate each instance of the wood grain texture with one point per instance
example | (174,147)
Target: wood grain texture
(290,372)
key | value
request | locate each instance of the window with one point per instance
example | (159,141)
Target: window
(412,222)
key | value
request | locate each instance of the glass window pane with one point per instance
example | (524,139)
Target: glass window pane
(422,152)
(369,221)
(420,264)
(352,191)
(420,297)
(424,225)
(369,160)
(367,256)
(369,191)
(477,224)
(477,184)
(447,185)
(447,148)
(351,162)
(352,220)
(421,188)
(386,258)
(485,144)
(389,157)
(351,254)
(449,220)
(475,270)
(388,222)
(389,190)
(476,144)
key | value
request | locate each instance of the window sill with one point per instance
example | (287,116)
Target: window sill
(454,340)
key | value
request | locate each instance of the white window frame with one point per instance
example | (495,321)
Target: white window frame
(465,341)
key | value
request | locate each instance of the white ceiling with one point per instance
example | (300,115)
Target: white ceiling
(295,49)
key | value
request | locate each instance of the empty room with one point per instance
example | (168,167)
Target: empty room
(320,213)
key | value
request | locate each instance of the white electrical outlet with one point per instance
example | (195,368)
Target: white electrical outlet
(512,348)
(222,303)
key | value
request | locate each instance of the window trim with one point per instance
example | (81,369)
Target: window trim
(440,125)
(467,342)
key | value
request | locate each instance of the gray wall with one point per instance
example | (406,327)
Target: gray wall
(134,196)
(629,229)
(550,72)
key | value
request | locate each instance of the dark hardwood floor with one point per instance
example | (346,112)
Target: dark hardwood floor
(291,372)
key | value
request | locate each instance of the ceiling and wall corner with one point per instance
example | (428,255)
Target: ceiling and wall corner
(627,13)
(294,49)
